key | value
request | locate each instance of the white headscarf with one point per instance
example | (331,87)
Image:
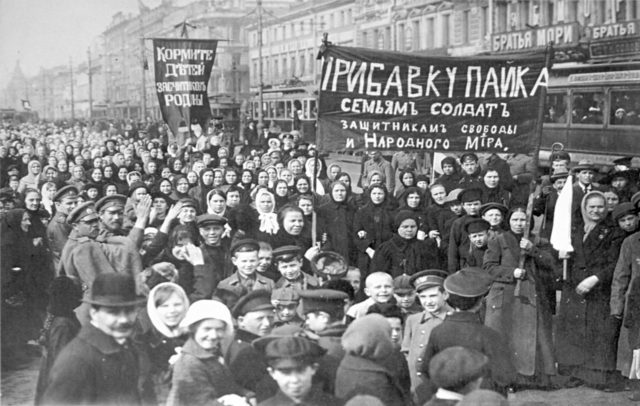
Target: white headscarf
(152,309)
(268,221)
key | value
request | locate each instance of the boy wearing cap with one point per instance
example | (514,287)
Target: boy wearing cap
(405,296)
(323,310)
(463,327)
(470,171)
(244,256)
(545,203)
(418,327)
(471,200)
(288,260)
(254,316)
(293,362)
(478,231)
(285,302)
(456,372)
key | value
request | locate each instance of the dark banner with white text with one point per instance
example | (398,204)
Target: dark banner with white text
(371,99)
(182,71)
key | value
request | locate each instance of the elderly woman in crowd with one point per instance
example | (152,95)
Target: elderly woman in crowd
(523,317)
(587,336)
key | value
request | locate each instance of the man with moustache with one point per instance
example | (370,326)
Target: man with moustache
(102,365)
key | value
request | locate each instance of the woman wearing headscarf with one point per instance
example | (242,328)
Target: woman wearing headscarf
(414,200)
(587,336)
(32,178)
(281,193)
(337,217)
(492,191)
(372,225)
(200,376)
(205,185)
(180,188)
(267,220)
(121,180)
(362,371)
(77,177)
(525,320)
(407,179)
(302,187)
(47,192)
(158,331)
(404,253)
(450,177)
(63,171)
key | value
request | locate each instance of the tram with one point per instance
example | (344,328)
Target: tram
(291,108)
(594,115)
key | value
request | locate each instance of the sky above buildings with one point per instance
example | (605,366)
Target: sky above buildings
(45,33)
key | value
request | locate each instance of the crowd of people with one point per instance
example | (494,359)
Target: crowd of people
(151,269)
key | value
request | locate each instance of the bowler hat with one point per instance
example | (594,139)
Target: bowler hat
(585,165)
(114,290)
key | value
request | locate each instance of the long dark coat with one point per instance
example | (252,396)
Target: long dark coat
(357,375)
(94,369)
(377,222)
(199,378)
(338,222)
(587,334)
(525,322)
(398,256)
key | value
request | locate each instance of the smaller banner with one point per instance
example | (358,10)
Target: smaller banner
(26,104)
(381,100)
(182,71)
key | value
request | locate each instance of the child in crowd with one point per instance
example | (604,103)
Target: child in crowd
(379,289)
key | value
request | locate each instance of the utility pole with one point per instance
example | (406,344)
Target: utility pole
(143,108)
(71,83)
(90,74)
(260,125)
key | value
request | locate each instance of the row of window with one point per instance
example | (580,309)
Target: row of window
(294,29)
(303,108)
(286,66)
(594,107)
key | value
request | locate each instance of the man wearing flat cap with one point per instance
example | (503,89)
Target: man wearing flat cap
(293,362)
(477,230)
(102,365)
(463,327)
(323,311)
(418,327)
(545,204)
(456,372)
(244,256)
(585,172)
(285,302)
(58,230)
(215,251)
(255,317)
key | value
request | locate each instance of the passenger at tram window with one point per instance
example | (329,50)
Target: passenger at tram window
(619,116)
(593,116)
